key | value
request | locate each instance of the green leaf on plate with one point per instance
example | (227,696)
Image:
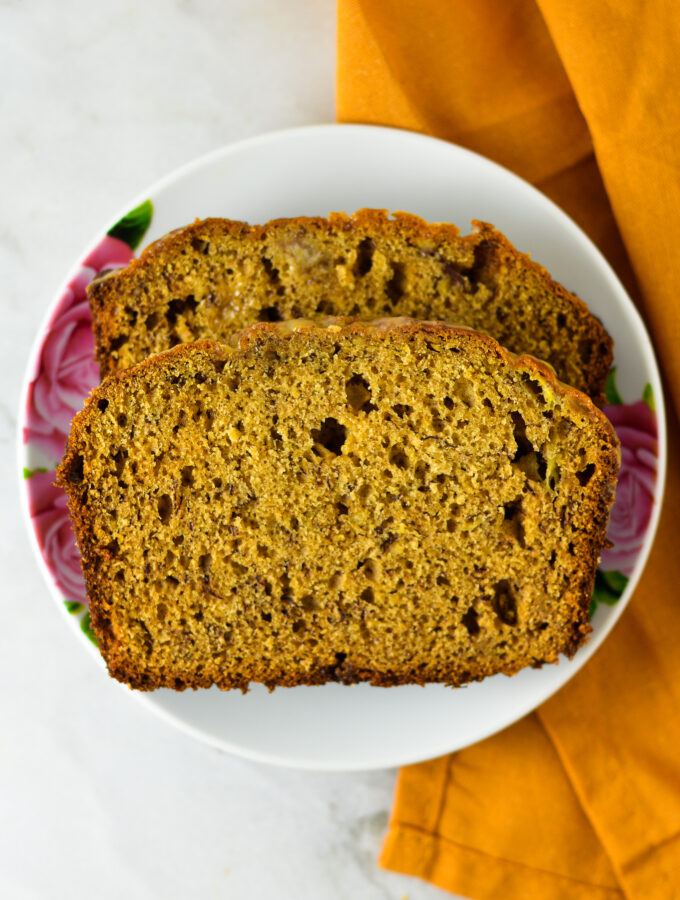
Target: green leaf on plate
(29,473)
(611,392)
(593,607)
(602,594)
(616,581)
(73,606)
(609,586)
(648,397)
(132,227)
(86,628)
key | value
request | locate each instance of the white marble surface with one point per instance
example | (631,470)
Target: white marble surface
(98,798)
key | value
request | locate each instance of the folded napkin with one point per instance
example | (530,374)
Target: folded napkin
(581,799)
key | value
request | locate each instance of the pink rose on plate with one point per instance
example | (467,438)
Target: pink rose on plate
(635,425)
(52,525)
(66,368)
(65,373)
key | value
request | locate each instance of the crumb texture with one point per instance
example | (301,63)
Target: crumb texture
(213,278)
(395,502)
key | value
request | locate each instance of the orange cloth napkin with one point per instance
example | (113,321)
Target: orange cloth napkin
(581,799)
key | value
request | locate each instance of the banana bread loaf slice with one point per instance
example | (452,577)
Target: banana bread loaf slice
(217,276)
(395,502)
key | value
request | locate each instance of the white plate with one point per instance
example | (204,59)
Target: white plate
(314,171)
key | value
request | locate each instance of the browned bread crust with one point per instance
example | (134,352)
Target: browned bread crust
(396,502)
(214,277)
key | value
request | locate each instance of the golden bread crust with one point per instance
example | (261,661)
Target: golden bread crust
(216,276)
(585,518)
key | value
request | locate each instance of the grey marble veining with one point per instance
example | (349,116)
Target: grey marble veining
(99,798)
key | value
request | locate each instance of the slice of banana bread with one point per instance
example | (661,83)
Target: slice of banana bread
(215,277)
(394,502)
